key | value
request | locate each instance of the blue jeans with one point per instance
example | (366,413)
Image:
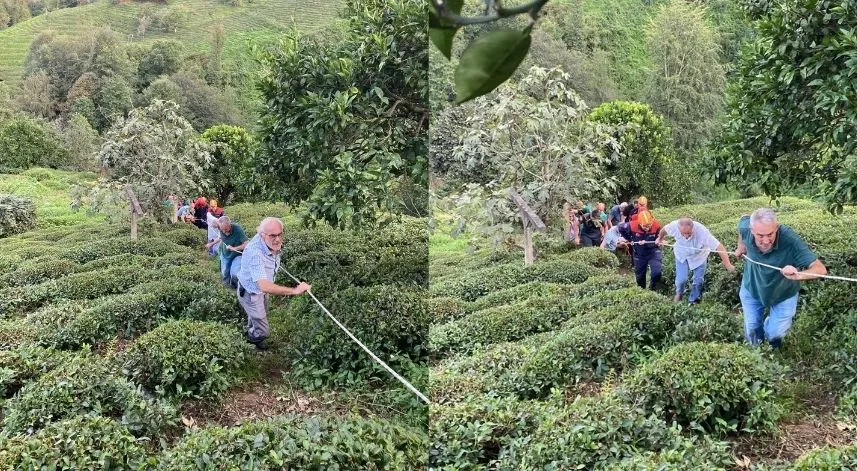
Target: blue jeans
(229,269)
(682,270)
(772,328)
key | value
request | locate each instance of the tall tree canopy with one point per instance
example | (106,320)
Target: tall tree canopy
(793,108)
(342,121)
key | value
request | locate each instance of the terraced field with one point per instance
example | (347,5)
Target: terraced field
(568,365)
(259,20)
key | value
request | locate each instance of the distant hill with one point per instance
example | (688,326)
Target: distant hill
(258,20)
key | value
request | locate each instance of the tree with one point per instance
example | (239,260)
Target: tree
(163,58)
(81,140)
(535,131)
(26,142)
(153,153)
(37,96)
(342,121)
(648,165)
(113,101)
(200,103)
(687,81)
(793,106)
(232,147)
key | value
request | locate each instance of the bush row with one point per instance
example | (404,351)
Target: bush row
(599,432)
(711,387)
(186,358)
(470,286)
(507,318)
(95,442)
(390,320)
(85,385)
(610,329)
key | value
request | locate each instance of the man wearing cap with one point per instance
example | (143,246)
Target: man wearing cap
(762,239)
(256,276)
(643,232)
(693,243)
(642,205)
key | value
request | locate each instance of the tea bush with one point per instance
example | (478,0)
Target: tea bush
(714,387)
(17,215)
(445,308)
(471,286)
(473,434)
(85,385)
(828,459)
(391,321)
(82,442)
(300,443)
(186,358)
(693,453)
(590,433)
(26,363)
(499,324)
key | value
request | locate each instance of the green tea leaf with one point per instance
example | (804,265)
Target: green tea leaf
(488,62)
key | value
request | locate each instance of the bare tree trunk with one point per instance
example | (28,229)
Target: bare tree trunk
(133,224)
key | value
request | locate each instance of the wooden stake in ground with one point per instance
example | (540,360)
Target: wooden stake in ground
(530,219)
(136,210)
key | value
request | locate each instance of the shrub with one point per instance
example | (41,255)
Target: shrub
(82,442)
(141,309)
(86,252)
(390,320)
(474,433)
(26,142)
(828,459)
(498,324)
(693,453)
(17,214)
(707,323)
(589,433)
(85,385)
(26,363)
(38,270)
(471,286)
(445,308)
(593,256)
(611,331)
(14,333)
(186,358)
(709,386)
(301,443)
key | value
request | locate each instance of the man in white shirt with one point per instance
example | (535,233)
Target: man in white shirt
(693,243)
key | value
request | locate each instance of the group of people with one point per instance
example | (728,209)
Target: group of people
(247,265)
(760,239)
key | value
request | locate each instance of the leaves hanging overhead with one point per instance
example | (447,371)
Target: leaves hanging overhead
(489,61)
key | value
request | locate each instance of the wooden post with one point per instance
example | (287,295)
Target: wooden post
(135,211)
(529,219)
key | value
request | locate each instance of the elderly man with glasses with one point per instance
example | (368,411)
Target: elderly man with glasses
(259,266)
(764,240)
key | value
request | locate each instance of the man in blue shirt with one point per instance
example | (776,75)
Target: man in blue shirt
(764,240)
(259,266)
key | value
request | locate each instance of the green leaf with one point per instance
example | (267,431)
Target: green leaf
(488,62)
(442,39)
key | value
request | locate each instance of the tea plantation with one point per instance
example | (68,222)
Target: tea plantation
(566,364)
(111,348)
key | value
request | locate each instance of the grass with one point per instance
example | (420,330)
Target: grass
(49,189)
(259,21)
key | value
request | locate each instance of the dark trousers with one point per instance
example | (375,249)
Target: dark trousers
(644,259)
(590,241)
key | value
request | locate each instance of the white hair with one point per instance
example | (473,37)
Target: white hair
(224,220)
(266,221)
(763,215)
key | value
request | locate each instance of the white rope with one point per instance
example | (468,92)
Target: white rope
(779,269)
(356,340)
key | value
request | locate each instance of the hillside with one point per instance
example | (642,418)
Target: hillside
(259,20)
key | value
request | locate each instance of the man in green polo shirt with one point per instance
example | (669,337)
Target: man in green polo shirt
(764,240)
(233,241)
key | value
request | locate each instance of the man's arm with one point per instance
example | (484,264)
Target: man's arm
(815,267)
(212,243)
(724,257)
(270,287)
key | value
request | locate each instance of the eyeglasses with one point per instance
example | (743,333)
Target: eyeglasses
(275,236)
